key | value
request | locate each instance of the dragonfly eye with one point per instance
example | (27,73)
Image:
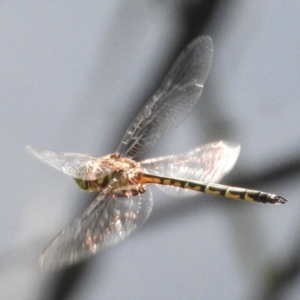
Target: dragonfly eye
(83,184)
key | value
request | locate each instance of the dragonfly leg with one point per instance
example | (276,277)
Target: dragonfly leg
(130,191)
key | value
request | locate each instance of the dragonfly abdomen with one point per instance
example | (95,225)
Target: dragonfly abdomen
(234,193)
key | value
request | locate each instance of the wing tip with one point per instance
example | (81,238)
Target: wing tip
(33,150)
(29,148)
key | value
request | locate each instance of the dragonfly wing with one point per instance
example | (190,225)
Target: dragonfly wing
(107,221)
(76,165)
(173,101)
(207,163)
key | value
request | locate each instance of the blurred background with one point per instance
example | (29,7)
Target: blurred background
(74,74)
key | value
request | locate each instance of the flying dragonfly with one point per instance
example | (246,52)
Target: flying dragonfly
(124,202)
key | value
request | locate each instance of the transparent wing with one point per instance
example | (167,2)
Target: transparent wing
(173,101)
(107,221)
(77,165)
(207,163)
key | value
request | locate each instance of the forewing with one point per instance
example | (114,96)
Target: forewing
(107,221)
(76,165)
(173,101)
(207,163)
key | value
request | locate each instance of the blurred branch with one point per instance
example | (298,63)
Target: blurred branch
(280,278)
(283,171)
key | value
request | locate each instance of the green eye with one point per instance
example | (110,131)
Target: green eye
(83,184)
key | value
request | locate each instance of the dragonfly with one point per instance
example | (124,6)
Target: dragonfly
(124,201)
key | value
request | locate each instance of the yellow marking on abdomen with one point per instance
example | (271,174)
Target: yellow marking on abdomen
(176,183)
(145,178)
(215,189)
(235,193)
(248,193)
(167,182)
(193,188)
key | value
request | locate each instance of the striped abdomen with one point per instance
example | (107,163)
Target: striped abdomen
(235,193)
